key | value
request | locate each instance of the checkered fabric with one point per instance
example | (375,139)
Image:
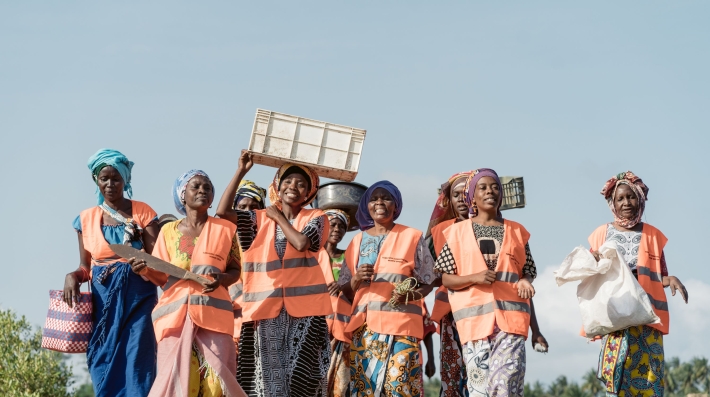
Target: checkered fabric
(67,329)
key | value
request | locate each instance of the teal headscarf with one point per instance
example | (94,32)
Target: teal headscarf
(115,159)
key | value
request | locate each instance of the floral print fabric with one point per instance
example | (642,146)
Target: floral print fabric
(453,370)
(384,365)
(496,365)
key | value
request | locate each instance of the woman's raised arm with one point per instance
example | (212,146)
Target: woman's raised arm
(225,208)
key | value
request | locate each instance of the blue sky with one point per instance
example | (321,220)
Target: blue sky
(565,94)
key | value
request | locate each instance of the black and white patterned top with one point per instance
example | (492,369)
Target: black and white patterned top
(490,240)
(246,230)
(627,243)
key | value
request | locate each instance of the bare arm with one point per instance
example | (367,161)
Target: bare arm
(297,239)
(225,208)
(347,290)
(150,236)
(537,337)
(430,368)
(455,282)
(676,285)
(73,280)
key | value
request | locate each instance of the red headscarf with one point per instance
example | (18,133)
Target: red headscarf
(636,184)
(442,210)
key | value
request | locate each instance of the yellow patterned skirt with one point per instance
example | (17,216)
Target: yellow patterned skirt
(631,362)
(204,382)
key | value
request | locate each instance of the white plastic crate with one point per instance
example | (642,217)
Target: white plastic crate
(332,150)
(513,192)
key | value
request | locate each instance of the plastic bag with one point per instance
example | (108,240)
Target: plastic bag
(610,298)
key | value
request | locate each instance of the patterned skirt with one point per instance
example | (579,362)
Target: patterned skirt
(631,362)
(384,365)
(496,365)
(284,356)
(339,372)
(453,370)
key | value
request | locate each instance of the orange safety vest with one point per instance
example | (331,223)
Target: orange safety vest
(441,301)
(93,238)
(338,320)
(395,263)
(296,282)
(235,293)
(648,268)
(479,307)
(324,261)
(213,310)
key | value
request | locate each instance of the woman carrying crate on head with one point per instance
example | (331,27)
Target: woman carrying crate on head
(284,345)
(488,269)
(638,364)
(386,321)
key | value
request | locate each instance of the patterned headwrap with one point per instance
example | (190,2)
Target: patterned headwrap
(470,189)
(363,214)
(636,184)
(251,190)
(442,209)
(286,170)
(339,214)
(179,188)
(114,158)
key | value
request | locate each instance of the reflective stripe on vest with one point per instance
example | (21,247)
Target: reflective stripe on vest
(200,300)
(298,282)
(235,290)
(236,293)
(441,302)
(326,267)
(341,319)
(648,267)
(478,308)
(213,310)
(395,263)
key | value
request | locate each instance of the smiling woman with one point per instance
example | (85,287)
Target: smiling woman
(637,361)
(283,346)
(487,266)
(384,349)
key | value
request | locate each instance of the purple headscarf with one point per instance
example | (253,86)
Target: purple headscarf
(470,188)
(363,214)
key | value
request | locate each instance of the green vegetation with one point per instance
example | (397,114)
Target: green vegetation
(681,379)
(27,370)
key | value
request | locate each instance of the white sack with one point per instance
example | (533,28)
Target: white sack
(609,296)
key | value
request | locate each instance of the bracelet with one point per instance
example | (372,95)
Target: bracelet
(87,276)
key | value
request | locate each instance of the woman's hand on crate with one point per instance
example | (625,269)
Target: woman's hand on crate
(245,161)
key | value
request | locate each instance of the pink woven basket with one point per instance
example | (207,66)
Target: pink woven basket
(67,329)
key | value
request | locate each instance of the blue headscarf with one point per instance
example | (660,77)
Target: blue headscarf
(363,214)
(180,185)
(115,159)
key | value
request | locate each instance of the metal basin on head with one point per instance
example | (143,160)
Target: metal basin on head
(343,196)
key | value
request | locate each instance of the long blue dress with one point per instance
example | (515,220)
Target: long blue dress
(122,351)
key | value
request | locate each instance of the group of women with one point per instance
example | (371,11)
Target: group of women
(287,313)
